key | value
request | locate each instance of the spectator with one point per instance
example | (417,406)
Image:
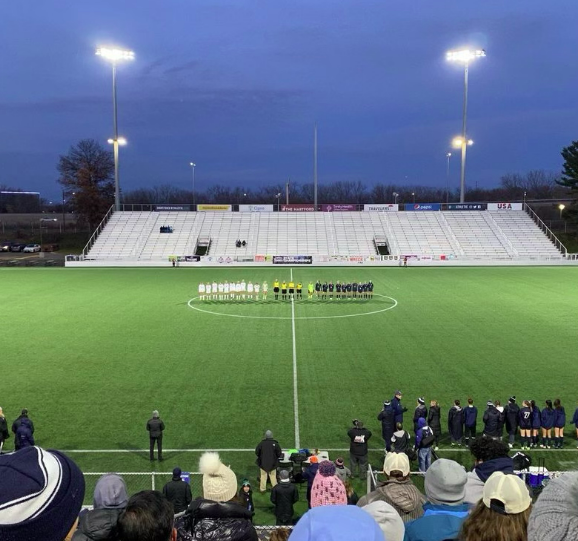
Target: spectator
(24,437)
(4,434)
(386,416)
(398,489)
(41,494)
(536,423)
(424,440)
(327,488)
(148,515)
(217,515)
(502,419)
(110,498)
(358,449)
(400,439)
(16,424)
(330,523)
(470,420)
(512,415)
(246,495)
(490,456)
(434,422)
(178,492)
(456,423)
(352,497)
(268,454)
(492,421)
(388,520)
(419,413)
(155,427)
(341,470)
(445,484)
(398,409)
(309,474)
(559,423)
(503,512)
(283,496)
(554,516)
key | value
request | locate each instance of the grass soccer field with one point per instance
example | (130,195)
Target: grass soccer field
(91,352)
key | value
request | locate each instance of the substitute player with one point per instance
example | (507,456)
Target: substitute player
(299,290)
(276,288)
(284,290)
(310,290)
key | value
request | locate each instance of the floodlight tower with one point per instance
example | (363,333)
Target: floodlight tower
(114,56)
(465,56)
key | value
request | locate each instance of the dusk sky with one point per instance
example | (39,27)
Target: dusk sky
(237,85)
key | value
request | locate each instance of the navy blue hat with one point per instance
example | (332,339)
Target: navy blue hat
(177,473)
(41,494)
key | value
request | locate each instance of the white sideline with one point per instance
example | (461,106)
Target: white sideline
(295,393)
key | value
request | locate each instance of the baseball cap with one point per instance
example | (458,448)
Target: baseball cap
(506,494)
(396,462)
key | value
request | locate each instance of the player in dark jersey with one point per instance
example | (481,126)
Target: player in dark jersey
(330,287)
(324,288)
(348,289)
(338,290)
(525,423)
(361,288)
(317,288)
(370,289)
(299,290)
(354,289)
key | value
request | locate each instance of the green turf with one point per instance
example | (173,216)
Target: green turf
(91,352)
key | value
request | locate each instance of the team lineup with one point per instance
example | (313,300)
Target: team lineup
(286,290)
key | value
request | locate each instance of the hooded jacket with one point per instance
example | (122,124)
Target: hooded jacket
(492,422)
(470,416)
(268,454)
(512,413)
(283,496)
(480,474)
(401,441)
(456,422)
(419,413)
(422,431)
(178,492)
(547,418)
(401,494)
(434,420)
(386,416)
(24,437)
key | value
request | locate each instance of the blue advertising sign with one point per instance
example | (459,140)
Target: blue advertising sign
(423,206)
(467,206)
(171,208)
(186,477)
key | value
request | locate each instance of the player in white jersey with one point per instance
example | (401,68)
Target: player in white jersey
(265,290)
(238,289)
(202,291)
(243,288)
(257,288)
(208,290)
(250,290)
(221,290)
(214,289)
(226,290)
(232,289)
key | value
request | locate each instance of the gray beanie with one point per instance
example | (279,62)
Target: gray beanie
(445,482)
(554,516)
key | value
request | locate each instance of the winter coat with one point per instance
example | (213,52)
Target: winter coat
(512,413)
(359,438)
(206,520)
(575,418)
(401,441)
(268,454)
(310,473)
(434,420)
(386,416)
(481,473)
(178,492)
(398,410)
(470,416)
(283,496)
(419,413)
(155,427)
(456,422)
(343,473)
(4,434)
(17,422)
(492,422)
(560,417)
(501,420)
(97,525)
(401,494)
(536,421)
(440,522)
(247,499)
(423,431)
(547,418)
(24,437)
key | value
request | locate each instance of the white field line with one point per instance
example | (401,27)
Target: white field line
(295,391)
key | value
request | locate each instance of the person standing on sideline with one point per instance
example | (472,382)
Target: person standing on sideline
(341,471)
(155,427)
(283,496)
(4,434)
(178,492)
(424,439)
(309,474)
(358,450)
(268,454)
(559,423)
(24,437)
(398,409)
(386,416)
(512,415)
(470,420)
(17,422)
(575,423)
(456,423)
(420,412)
(246,496)
(434,421)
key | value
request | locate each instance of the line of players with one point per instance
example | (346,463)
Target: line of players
(239,290)
(345,290)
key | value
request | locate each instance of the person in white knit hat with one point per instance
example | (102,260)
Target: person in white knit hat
(217,515)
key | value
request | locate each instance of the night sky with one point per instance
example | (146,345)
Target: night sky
(237,85)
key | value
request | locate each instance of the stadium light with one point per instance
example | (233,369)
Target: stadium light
(193,165)
(561,206)
(464,56)
(114,56)
(448,157)
(121,141)
(395,195)
(458,142)
(278,196)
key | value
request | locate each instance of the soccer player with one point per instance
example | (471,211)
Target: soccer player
(250,290)
(238,290)
(266,290)
(257,289)
(291,289)
(221,290)
(536,422)
(208,290)
(243,289)
(354,289)
(559,423)
(214,289)
(330,287)
(317,288)
(310,290)
(299,290)
(201,291)
(361,289)
(226,290)
(324,289)
(233,289)
(370,289)
(338,290)
(276,288)
(525,423)
(348,288)
(547,420)
(284,290)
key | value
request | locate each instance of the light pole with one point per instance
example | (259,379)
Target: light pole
(524,205)
(45,220)
(465,56)
(115,56)
(395,196)
(448,156)
(413,196)
(193,165)
(278,196)
(561,206)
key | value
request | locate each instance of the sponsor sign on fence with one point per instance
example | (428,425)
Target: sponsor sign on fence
(505,206)
(255,208)
(298,207)
(423,206)
(292,260)
(338,207)
(164,208)
(467,206)
(219,208)
(381,208)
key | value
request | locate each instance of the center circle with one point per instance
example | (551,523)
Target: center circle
(191,305)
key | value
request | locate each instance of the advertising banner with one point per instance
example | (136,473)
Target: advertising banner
(192,258)
(381,208)
(423,206)
(212,208)
(338,208)
(467,206)
(298,207)
(292,260)
(255,208)
(505,206)
(164,208)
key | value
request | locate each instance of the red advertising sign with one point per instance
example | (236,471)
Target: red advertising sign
(338,207)
(297,207)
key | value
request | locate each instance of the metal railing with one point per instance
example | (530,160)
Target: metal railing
(539,222)
(100,227)
(499,232)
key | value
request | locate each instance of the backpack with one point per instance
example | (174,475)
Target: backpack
(428,439)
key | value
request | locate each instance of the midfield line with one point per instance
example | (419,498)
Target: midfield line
(295,392)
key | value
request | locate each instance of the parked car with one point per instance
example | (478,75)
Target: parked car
(17,247)
(5,246)
(30,248)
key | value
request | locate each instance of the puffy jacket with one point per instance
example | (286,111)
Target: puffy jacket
(492,424)
(283,496)
(434,420)
(97,525)
(470,416)
(512,413)
(575,418)
(178,492)
(24,437)
(547,418)
(419,413)
(481,473)
(206,520)
(268,454)
(439,522)
(456,422)
(386,416)
(19,420)
(401,494)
